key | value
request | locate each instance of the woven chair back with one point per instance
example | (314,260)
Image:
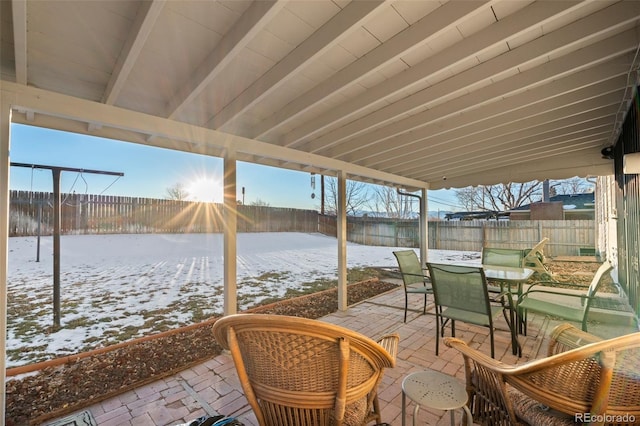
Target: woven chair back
(582,375)
(296,371)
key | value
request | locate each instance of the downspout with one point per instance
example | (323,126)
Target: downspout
(422,222)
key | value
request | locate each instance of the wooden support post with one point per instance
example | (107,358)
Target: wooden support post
(230,235)
(5,143)
(342,241)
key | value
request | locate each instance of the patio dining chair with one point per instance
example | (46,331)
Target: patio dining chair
(557,302)
(513,258)
(461,294)
(502,257)
(413,278)
(302,372)
(494,256)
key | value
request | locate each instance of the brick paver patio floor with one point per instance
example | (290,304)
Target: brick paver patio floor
(213,388)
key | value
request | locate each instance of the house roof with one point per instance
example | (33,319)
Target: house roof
(585,201)
(485,214)
(411,93)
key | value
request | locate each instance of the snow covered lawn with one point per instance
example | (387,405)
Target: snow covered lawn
(117,287)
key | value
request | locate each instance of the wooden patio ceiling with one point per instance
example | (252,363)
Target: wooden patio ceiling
(418,94)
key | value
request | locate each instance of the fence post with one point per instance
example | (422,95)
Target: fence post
(539,231)
(39,231)
(364,231)
(484,234)
(395,234)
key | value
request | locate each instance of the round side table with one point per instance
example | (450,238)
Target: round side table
(435,390)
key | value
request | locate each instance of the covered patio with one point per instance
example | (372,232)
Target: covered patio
(417,95)
(212,387)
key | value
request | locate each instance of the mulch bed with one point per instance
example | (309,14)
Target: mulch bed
(56,391)
(578,273)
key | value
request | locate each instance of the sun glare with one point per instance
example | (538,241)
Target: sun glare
(205,189)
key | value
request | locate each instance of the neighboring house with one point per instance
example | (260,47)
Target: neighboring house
(475,215)
(559,207)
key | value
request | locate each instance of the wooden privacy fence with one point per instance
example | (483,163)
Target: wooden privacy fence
(103,214)
(375,231)
(566,236)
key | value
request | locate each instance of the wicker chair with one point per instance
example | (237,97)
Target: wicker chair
(302,372)
(582,375)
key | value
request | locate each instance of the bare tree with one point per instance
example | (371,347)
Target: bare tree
(470,198)
(574,185)
(499,197)
(177,192)
(388,201)
(357,194)
(259,203)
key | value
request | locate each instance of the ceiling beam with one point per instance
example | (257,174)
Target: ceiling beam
(540,136)
(560,166)
(252,21)
(519,120)
(134,126)
(460,84)
(564,124)
(446,16)
(520,157)
(19,17)
(532,79)
(500,32)
(148,13)
(557,94)
(342,24)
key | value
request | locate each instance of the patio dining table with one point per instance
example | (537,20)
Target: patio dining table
(506,276)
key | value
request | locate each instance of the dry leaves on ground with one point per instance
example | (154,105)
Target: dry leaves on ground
(580,273)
